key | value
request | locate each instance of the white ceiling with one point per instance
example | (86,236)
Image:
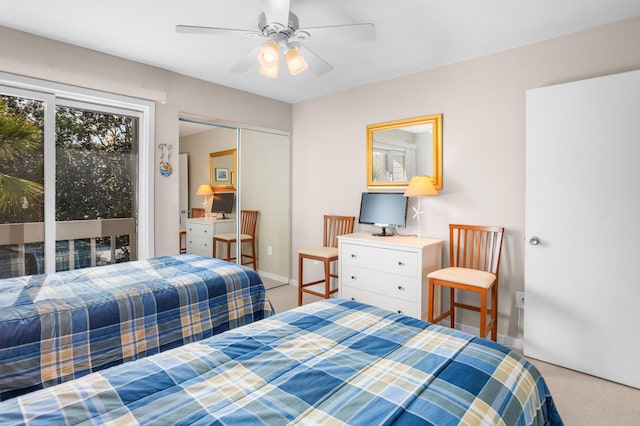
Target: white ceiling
(412,35)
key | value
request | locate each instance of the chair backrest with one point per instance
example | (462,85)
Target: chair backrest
(334,226)
(197,212)
(249,220)
(475,247)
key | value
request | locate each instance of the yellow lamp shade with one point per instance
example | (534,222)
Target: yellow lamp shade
(419,186)
(204,189)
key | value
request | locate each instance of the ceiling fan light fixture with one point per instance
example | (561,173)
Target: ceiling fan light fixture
(269,70)
(295,61)
(269,53)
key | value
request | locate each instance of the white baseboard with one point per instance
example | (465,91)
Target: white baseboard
(507,341)
(279,278)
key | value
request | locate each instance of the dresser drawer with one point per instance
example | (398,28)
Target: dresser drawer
(381,259)
(201,244)
(200,229)
(394,285)
(385,302)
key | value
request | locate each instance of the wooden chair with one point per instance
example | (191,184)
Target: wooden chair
(474,264)
(248,225)
(183,237)
(333,226)
(196,212)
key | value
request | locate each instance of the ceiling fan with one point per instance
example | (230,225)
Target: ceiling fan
(280,27)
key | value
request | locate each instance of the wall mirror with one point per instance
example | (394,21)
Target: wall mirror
(398,150)
(222,170)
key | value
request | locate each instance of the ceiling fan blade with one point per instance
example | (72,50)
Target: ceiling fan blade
(189,29)
(317,65)
(277,11)
(349,32)
(251,59)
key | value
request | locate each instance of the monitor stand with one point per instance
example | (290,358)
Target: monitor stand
(383,233)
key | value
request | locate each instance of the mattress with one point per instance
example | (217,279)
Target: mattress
(329,362)
(62,326)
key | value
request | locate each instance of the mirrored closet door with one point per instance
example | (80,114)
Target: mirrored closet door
(253,165)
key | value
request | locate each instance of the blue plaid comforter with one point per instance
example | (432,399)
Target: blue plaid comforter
(58,327)
(330,362)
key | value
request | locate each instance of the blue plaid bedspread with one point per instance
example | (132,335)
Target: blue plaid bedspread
(330,362)
(58,327)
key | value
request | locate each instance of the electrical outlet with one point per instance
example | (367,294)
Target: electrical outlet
(520,299)
(269,250)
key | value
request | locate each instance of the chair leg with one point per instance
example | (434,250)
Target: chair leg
(452,298)
(432,289)
(494,313)
(300,280)
(483,314)
(327,279)
(254,257)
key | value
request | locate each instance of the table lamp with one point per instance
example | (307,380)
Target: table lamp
(418,187)
(204,190)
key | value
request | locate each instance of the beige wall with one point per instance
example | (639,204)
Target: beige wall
(482,102)
(31,56)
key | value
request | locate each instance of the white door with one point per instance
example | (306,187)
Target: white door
(582,280)
(184,189)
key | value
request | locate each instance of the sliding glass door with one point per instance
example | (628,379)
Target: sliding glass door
(68,183)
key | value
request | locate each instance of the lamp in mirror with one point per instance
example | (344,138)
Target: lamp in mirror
(204,190)
(418,187)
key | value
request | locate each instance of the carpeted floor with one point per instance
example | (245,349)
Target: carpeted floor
(581,399)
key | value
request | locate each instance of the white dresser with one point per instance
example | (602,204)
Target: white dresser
(200,234)
(388,272)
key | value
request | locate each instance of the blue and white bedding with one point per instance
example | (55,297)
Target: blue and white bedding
(61,326)
(330,362)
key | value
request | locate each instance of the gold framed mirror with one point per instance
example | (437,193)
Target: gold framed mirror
(398,150)
(222,170)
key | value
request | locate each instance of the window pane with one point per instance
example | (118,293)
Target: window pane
(96,158)
(21,182)
(95,161)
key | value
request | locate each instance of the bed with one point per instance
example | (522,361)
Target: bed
(61,326)
(329,362)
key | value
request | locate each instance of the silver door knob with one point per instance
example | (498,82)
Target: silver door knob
(534,241)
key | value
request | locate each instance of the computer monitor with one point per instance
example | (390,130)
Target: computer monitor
(384,209)
(222,202)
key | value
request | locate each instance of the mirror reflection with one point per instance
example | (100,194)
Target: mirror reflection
(398,150)
(222,170)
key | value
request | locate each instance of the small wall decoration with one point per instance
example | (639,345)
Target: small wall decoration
(165,159)
(222,175)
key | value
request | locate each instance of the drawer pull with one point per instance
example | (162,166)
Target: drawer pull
(400,288)
(353,277)
(353,298)
(400,263)
(353,256)
(399,311)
